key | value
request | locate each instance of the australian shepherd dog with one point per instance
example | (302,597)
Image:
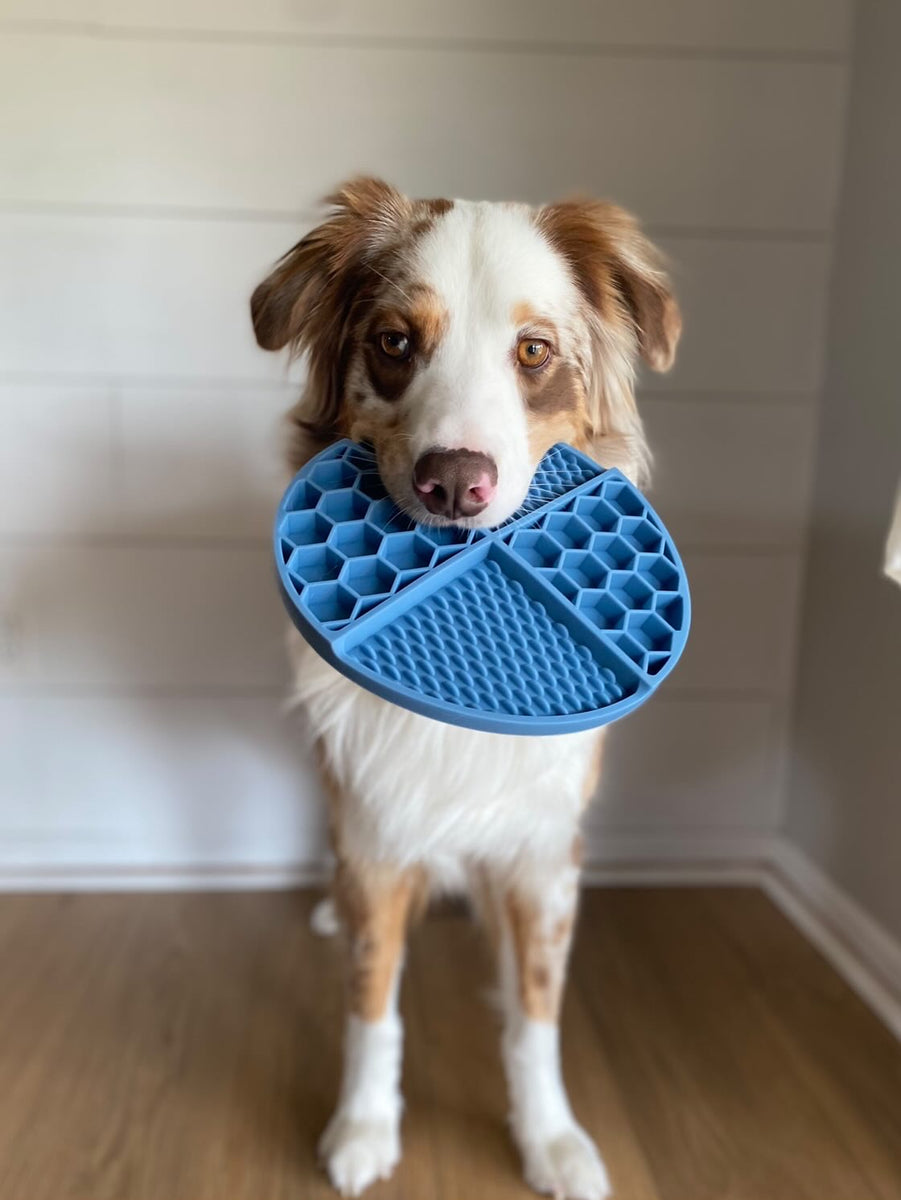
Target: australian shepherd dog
(460,340)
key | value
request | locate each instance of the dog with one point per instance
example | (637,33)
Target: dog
(461,340)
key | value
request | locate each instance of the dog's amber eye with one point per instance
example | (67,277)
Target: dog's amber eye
(532,352)
(395,344)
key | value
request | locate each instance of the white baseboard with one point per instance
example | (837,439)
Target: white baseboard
(615,857)
(643,858)
(864,954)
(219,877)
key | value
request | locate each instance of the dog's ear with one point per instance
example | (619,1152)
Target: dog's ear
(309,289)
(307,300)
(619,271)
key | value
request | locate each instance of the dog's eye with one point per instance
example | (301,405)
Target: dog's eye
(395,344)
(532,353)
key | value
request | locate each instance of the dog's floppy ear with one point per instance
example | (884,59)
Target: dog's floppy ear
(619,271)
(306,301)
(306,295)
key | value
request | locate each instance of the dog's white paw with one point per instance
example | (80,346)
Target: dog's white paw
(358,1152)
(324,919)
(566,1166)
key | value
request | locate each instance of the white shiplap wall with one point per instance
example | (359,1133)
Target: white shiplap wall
(155,158)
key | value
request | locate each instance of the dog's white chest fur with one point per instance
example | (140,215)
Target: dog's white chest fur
(436,794)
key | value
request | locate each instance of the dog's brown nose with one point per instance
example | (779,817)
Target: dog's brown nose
(455,483)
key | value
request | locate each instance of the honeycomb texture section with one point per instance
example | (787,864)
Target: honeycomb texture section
(346,544)
(605,551)
(473,644)
(566,616)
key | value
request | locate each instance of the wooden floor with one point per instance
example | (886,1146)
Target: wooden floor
(170,1047)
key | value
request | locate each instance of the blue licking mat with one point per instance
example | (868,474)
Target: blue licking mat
(565,617)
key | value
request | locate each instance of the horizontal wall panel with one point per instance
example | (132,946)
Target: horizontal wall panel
(743,622)
(754,316)
(57,466)
(780,25)
(145,297)
(155,782)
(685,143)
(141,463)
(682,763)
(99,616)
(731,472)
(169,298)
(201,463)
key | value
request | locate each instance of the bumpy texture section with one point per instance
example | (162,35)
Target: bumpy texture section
(557,473)
(482,643)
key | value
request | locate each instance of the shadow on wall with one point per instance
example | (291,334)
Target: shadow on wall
(847,754)
(143,660)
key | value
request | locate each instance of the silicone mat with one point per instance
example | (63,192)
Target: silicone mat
(565,617)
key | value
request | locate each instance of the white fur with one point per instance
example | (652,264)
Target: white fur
(324,920)
(362,1141)
(559,1158)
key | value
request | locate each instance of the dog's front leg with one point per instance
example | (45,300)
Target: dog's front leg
(362,1141)
(536,910)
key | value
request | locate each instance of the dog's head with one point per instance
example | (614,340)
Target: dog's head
(462,339)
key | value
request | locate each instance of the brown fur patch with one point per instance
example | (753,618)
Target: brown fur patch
(545,429)
(541,978)
(555,388)
(436,207)
(577,851)
(422,316)
(426,213)
(308,287)
(428,319)
(619,272)
(554,395)
(424,319)
(317,294)
(540,956)
(389,377)
(374,902)
(523,315)
(560,932)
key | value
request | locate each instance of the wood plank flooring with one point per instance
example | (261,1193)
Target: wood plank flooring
(186,1047)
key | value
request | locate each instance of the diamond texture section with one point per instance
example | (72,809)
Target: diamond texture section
(474,644)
